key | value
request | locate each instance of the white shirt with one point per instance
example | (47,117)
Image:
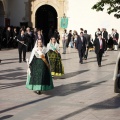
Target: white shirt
(81,39)
(101,44)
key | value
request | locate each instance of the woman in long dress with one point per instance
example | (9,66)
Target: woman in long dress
(116,76)
(39,77)
(55,58)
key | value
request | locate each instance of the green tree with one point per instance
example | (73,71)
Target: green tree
(113,6)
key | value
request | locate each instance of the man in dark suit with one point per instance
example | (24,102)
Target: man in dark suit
(39,36)
(105,34)
(30,39)
(57,36)
(97,32)
(105,37)
(21,47)
(81,46)
(8,37)
(88,43)
(115,39)
(99,48)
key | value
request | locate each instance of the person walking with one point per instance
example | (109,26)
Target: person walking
(54,56)
(38,76)
(81,46)
(88,43)
(69,38)
(99,44)
(8,37)
(64,40)
(22,46)
(39,36)
(30,40)
(115,40)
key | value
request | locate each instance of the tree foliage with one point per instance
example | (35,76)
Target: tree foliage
(113,6)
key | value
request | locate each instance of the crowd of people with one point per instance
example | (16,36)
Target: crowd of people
(85,43)
(45,60)
(8,36)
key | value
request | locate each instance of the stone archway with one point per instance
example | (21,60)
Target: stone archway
(58,5)
(2,13)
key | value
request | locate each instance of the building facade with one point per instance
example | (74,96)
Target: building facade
(46,13)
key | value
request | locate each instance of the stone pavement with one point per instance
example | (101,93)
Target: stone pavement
(85,92)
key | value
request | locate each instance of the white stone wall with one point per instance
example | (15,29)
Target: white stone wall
(81,15)
(79,12)
(16,11)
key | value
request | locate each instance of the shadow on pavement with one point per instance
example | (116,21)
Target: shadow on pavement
(109,64)
(6,117)
(11,70)
(72,74)
(58,91)
(25,104)
(10,59)
(94,61)
(112,103)
(72,88)
(14,76)
(11,85)
(7,63)
(66,59)
(23,76)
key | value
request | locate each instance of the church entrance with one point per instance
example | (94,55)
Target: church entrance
(46,20)
(1,14)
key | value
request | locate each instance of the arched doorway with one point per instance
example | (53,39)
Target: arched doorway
(1,14)
(46,19)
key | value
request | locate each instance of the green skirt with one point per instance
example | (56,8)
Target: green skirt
(56,66)
(40,78)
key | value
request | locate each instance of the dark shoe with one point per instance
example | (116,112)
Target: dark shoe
(20,61)
(37,92)
(24,60)
(81,62)
(99,65)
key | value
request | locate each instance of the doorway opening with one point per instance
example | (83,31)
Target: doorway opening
(46,20)
(1,14)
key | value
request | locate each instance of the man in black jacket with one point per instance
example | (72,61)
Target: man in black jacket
(115,39)
(21,47)
(69,38)
(8,37)
(99,48)
(105,37)
(39,36)
(81,46)
(88,42)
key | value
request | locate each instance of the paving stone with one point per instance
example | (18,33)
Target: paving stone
(85,92)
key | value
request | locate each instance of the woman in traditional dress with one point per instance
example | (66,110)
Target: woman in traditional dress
(55,58)
(39,77)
